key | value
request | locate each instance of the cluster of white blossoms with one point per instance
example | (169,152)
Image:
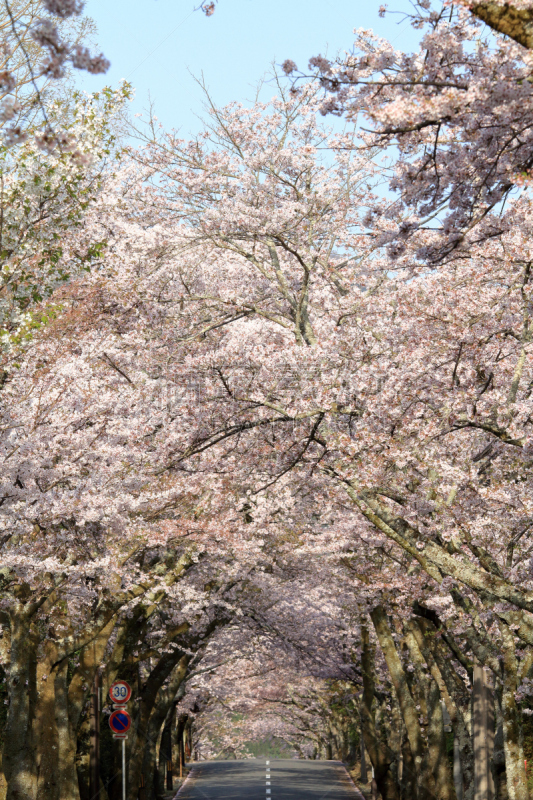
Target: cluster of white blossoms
(256,413)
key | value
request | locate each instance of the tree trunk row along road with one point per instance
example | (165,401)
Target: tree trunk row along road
(257,779)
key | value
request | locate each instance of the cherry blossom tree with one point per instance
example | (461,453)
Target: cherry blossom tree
(44,200)
(338,441)
(404,387)
(39,44)
(454,112)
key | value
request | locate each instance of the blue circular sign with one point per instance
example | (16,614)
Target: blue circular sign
(120,721)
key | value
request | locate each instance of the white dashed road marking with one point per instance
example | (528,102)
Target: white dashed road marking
(268,779)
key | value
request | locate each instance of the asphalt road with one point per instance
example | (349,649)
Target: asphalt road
(259,779)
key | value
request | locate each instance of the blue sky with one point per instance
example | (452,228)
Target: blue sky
(159,45)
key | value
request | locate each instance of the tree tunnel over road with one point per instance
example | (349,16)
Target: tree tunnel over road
(260,779)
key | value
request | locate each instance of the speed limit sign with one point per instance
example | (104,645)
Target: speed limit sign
(120,692)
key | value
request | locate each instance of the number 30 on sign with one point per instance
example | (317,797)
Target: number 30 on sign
(120,692)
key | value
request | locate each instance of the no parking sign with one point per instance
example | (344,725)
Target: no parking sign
(120,721)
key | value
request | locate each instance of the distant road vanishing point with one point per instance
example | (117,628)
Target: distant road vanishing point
(259,779)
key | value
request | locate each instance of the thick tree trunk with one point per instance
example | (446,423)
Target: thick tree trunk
(409,779)
(46,739)
(151,715)
(58,716)
(178,745)
(18,760)
(435,759)
(427,788)
(456,695)
(165,750)
(483,734)
(514,752)
(5,651)
(84,677)
(363,773)
(438,758)
(3,784)
(498,756)
(67,738)
(379,755)
(83,761)
(154,784)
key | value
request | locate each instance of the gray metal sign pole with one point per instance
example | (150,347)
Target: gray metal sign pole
(124,769)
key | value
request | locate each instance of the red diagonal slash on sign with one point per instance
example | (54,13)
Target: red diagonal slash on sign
(120,721)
